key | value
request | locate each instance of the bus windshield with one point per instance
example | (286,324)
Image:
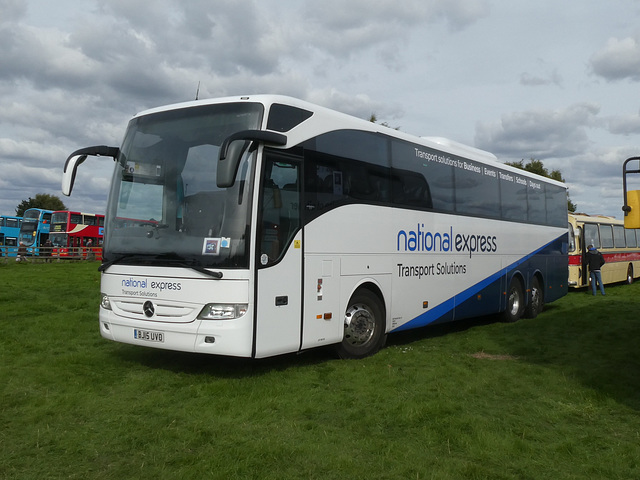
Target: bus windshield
(58,239)
(164,207)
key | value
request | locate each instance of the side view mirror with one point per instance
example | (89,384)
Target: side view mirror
(631,206)
(234,146)
(77,158)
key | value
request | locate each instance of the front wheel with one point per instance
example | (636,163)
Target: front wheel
(630,275)
(364,326)
(515,302)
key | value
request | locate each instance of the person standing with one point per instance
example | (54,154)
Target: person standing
(47,250)
(22,253)
(595,260)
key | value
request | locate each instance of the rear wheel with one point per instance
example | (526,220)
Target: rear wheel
(629,274)
(536,302)
(515,302)
(364,326)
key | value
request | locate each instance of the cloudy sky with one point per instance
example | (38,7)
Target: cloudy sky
(555,81)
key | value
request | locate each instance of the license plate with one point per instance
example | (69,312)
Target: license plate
(148,335)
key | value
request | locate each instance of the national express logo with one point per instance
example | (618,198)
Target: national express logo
(419,240)
(153,285)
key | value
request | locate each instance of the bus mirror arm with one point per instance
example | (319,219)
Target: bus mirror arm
(77,158)
(234,146)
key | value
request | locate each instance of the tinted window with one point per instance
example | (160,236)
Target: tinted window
(343,167)
(353,166)
(556,205)
(355,145)
(283,118)
(279,208)
(536,202)
(413,179)
(477,191)
(513,191)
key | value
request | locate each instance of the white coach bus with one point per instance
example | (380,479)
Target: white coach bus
(260,225)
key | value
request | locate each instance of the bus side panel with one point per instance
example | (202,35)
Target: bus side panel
(488,296)
(323,317)
(556,283)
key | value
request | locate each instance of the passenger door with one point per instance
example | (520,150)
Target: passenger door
(279,257)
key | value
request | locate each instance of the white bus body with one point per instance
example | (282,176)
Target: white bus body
(313,228)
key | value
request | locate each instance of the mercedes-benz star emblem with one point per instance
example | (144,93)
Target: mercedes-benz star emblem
(148,309)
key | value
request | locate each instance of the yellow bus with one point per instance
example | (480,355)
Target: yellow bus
(619,246)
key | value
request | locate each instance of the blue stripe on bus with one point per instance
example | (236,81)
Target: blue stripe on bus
(448,306)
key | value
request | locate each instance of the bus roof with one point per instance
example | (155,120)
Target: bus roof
(326,120)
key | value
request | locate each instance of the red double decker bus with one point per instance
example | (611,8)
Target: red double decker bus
(76,234)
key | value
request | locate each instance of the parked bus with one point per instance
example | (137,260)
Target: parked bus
(619,246)
(76,234)
(34,231)
(9,231)
(269,225)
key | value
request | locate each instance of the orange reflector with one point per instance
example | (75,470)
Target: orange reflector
(319,317)
(425,304)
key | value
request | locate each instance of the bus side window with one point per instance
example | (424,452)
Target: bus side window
(606,236)
(591,236)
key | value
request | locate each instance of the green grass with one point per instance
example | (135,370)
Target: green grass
(557,397)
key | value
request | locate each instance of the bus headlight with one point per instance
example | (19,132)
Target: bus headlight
(104,302)
(216,311)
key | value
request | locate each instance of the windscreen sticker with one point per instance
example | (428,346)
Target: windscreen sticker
(211,246)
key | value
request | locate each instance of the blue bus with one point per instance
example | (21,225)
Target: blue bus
(34,231)
(9,231)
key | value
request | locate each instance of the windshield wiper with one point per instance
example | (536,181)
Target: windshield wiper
(118,259)
(179,261)
(169,260)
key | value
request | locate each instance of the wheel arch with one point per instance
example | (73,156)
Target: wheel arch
(372,286)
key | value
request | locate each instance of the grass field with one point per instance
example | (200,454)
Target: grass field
(557,397)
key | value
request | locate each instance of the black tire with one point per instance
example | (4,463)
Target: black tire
(536,302)
(364,326)
(629,274)
(515,302)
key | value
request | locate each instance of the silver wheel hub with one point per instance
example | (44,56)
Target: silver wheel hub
(359,325)
(514,302)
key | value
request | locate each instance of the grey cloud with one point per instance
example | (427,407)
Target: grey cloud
(619,59)
(12,10)
(539,133)
(223,37)
(342,31)
(624,124)
(532,80)
(360,106)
